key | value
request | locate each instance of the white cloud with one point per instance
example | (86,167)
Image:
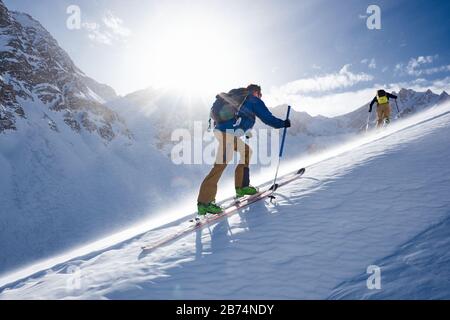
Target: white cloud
(115,24)
(298,92)
(372,64)
(342,79)
(96,34)
(430,71)
(334,104)
(415,66)
(112,29)
(415,63)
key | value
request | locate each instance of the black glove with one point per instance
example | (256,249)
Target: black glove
(370,110)
(287,123)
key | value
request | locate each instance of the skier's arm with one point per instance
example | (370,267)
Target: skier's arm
(263,113)
(371,103)
(393,96)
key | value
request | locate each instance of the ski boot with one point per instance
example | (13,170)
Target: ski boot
(246,191)
(212,207)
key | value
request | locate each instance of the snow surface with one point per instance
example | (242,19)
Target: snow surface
(381,199)
(60,190)
(26,20)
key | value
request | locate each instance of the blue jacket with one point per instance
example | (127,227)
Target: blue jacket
(253,107)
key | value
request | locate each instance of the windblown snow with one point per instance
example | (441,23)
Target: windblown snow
(379,200)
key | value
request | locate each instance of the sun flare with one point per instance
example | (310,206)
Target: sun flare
(193,54)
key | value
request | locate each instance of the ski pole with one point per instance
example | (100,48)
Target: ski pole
(398,111)
(367,124)
(274,185)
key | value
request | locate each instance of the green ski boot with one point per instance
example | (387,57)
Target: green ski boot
(212,207)
(246,191)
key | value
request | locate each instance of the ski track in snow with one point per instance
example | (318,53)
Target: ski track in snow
(384,203)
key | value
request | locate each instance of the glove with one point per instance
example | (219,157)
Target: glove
(287,123)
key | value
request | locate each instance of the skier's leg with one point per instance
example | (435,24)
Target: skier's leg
(379,116)
(387,113)
(208,188)
(242,172)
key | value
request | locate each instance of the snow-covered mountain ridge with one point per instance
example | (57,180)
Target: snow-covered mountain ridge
(36,73)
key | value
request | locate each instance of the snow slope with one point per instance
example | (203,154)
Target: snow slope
(381,199)
(71,171)
(59,190)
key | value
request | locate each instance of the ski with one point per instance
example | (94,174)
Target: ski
(199,222)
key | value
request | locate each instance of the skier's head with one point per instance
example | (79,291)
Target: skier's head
(381,93)
(254,90)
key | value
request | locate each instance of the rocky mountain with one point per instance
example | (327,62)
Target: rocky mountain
(35,73)
(70,170)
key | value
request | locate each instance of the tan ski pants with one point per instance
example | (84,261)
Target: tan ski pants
(383,112)
(228,144)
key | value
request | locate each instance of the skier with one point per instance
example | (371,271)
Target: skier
(383,107)
(228,134)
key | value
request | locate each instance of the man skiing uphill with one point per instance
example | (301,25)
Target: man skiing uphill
(383,107)
(234,113)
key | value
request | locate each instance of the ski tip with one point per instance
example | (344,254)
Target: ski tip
(301,171)
(274,187)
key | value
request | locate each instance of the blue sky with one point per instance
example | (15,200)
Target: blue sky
(315,54)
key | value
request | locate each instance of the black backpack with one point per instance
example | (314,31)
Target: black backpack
(381,93)
(227,105)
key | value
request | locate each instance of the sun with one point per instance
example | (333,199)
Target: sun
(193,53)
